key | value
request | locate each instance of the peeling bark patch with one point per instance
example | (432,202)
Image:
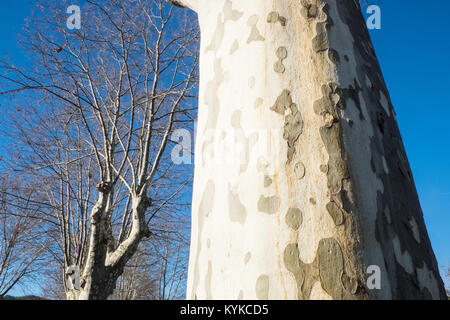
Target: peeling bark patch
(331,269)
(237,211)
(299,170)
(254,32)
(330,255)
(205,208)
(283,101)
(331,136)
(212,96)
(294,218)
(321,42)
(258,102)
(281,55)
(305,274)
(217,39)
(268,205)
(262,287)
(229,13)
(274,17)
(336,213)
(334,56)
(293,126)
(247,257)
(267,181)
(309,10)
(208,281)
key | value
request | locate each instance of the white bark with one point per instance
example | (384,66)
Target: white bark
(191,4)
(336,183)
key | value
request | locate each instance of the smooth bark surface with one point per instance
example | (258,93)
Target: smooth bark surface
(333,193)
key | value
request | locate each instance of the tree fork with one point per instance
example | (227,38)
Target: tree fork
(106,261)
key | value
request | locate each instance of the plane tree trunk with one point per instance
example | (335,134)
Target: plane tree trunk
(105,261)
(323,188)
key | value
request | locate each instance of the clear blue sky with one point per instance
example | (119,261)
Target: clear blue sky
(413,47)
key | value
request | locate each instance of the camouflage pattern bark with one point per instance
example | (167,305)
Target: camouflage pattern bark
(334,194)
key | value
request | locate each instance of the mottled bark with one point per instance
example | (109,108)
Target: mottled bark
(106,261)
(336,193)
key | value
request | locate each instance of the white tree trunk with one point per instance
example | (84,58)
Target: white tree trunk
(333,193)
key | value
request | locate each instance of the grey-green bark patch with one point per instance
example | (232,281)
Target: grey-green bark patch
(321,42)
(237,211)
(281,55)
(267,181)
(299,170)
(334,56)
(305,274)
(331,269)
(309,10)
(268,205)
(294,218)
(293,128)
(331,134)
(274,17)
(336,213)
(350,284)
(262,287)
(254,32)
(283,101)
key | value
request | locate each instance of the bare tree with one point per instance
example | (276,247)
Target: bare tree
(97,133)
(21,244)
